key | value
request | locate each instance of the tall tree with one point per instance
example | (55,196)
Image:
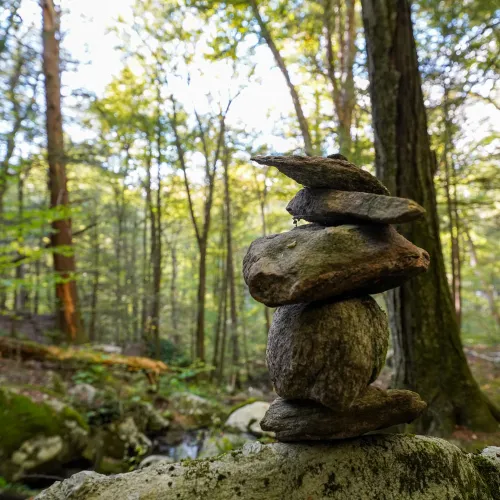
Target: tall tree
(69,315)
(428,351)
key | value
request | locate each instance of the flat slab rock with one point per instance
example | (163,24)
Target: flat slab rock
(319,172)
(327,352)
(314,262)
(332,208)
(307,420)
(392,467)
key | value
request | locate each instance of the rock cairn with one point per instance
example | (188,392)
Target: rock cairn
(328,339)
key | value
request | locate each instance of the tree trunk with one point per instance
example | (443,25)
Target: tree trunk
(235,377)
(176,336)
(428,353)
(222,294)
(488,289)
(20,292)
(69,315)
(280,62)
(200,302)
(453,219)
(95,284)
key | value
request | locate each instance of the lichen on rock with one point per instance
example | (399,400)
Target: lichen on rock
(392,467)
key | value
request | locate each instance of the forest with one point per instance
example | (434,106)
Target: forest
(128,199)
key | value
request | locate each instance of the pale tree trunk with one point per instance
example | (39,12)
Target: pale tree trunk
(429,358)
(235,377)
(69,315)
(280,62)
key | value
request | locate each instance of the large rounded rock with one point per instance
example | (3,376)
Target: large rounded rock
(247,418)
(319,172)
(389,467)
(314,262)
(332,208)
(327,352)
(375,409)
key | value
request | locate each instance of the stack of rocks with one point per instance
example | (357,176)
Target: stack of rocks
(328,339)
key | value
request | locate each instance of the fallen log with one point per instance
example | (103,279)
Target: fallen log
(18,349)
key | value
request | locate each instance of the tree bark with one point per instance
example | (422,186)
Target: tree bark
(69,315)
(428,353)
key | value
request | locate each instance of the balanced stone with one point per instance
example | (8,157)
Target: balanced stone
(376,409)
(314,262)
(327,352)
(319,172)
(332,208)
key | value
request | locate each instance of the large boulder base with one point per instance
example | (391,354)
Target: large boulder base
(327,352)
(392,467)
(319,172)
(333,208)
(314,262)
(376,409)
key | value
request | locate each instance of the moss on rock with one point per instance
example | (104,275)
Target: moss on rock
(30,425)
(393,467)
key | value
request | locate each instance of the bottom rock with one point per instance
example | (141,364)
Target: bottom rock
(307,420)
(392,467)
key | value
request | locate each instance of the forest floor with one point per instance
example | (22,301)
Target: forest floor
(189,432)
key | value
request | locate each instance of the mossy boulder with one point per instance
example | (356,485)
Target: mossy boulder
(195,412)
(392,467)
(38,432)
(117,447)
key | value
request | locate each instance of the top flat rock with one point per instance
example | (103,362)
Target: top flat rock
(319,172)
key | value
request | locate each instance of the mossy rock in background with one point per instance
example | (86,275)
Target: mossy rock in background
(38,432)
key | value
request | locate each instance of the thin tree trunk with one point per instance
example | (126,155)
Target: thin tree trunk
(173,297)
(453,220)
(133,280)
(429,358)
(36,288)
(222,294)
(69,315)
(488,290)
(95,284)
(280,62)
(20,292)
(156,249)
(201,231)
(235,378)
(223,346)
